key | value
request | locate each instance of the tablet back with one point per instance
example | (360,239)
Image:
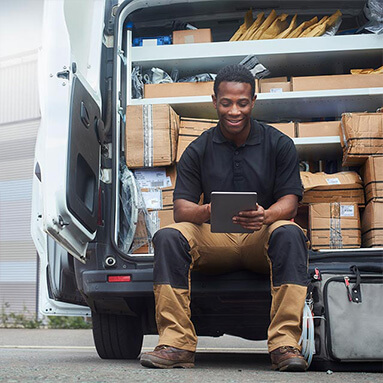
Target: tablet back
(225,205)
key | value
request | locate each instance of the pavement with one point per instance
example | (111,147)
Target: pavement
(47,355)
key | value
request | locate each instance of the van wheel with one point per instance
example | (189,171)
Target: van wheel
(117,336)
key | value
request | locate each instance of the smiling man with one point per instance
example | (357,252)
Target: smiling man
(239,154)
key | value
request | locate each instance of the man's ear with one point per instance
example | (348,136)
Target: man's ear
(253,101)
(214,100)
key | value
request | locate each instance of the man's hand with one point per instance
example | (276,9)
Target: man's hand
(186,211)
(251,219)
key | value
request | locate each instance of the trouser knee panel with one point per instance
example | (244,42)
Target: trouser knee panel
(288,255)
(171,258)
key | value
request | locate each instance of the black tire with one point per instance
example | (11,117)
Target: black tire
(117,336)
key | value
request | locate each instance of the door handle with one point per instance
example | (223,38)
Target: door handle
(84,115)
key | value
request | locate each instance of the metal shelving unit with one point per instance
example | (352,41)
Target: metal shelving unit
(304,56)
(286,105)
(291,57)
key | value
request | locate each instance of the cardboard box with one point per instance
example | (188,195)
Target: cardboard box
(342,81)
(361,136)
(372,174)
(287,128)
(338,187)
(372,224)
(157,186)
(159,219)
(151,135)
(179,89)
(190,129)
(191,36)
(274,85)
(318,129)
(334,225)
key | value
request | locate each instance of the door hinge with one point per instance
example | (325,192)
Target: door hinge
(121,53)
(60,222)
(64,74)
(106,176)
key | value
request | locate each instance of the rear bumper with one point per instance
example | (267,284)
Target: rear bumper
(95,283)
(96,286)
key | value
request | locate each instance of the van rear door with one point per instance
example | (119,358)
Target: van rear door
(68,159)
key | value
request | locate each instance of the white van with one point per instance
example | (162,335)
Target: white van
(85,67)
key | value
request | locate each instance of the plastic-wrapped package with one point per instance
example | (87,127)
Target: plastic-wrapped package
(255,67)
(157,76)
(136,226)
(137,83)
(334,28)
(203,77)
(373,12)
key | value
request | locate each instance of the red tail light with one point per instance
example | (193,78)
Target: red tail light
(119,278)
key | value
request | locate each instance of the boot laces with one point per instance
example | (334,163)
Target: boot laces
(294,350)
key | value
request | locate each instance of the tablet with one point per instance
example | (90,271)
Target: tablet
(226,205)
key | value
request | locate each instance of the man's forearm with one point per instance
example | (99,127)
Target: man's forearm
(186,211)
(284,208)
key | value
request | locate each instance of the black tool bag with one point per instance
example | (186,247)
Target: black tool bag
(347,294)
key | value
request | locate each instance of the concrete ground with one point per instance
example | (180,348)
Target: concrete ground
(70,356)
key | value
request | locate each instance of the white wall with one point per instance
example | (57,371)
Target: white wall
(20,37)
(20,26)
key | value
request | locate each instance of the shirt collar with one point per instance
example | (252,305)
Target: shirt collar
(254,137)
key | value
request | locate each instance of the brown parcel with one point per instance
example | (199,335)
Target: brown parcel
(265,25)
(341,81)
(179,89)
(190,129)
(166,192)
(361,136)
(279,25)
(191,36)
(288,31)
(338,187)
(287,128)
(248,19)
(159,125)
(253,28)
(372,173)
(302,27)
(334,226)
(372,225)
(273,85)
(318,129)
(160,218)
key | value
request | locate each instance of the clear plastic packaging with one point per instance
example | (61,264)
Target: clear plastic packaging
(255,67)
(203,77)
(157,76)
(334,29)
(137,83)
(136,226)
(373,12)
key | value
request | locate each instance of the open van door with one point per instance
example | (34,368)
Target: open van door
(68,157)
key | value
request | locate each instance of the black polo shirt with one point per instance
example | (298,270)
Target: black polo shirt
(267,163)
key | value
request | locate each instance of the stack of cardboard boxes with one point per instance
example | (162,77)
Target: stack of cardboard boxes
(372,218)
(362,143)
(361,136)
(333,202)
(156,138)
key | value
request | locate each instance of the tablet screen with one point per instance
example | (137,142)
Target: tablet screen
(226,205)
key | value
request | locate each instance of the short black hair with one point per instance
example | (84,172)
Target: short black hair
(234,73)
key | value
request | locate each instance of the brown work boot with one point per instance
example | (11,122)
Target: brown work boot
(168,357)
(288,358)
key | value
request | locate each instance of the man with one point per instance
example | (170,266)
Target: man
(239,154)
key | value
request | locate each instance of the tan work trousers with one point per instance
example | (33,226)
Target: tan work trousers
(219,253)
